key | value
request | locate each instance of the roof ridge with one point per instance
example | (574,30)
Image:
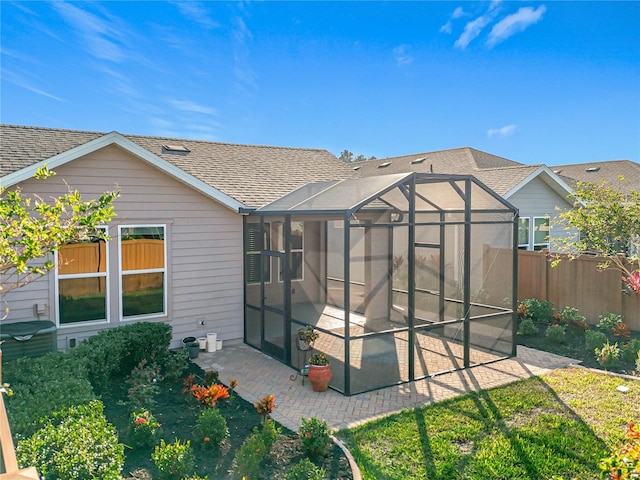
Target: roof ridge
(133,135)
(508,167)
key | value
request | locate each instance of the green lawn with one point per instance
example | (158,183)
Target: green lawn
(559,425)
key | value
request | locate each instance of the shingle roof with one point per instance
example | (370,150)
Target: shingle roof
(252,174)
(498,173)
(607,171)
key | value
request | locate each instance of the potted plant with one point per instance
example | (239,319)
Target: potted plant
(319,372)
(306,337)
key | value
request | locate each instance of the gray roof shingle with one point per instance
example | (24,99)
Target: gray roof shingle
(252,174)
(607,171)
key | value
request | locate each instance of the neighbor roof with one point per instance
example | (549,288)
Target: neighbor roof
(607,171)
(254,175)
(502,175)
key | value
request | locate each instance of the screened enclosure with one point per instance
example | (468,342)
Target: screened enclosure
(404,276)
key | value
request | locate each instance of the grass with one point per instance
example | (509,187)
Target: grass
(558,425)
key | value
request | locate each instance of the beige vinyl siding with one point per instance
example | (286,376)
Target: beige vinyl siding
(536,199)
(204,246)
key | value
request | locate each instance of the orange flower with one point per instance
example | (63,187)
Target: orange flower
(207,439)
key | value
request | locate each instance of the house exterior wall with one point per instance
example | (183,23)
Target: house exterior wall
(203,238)
(536,199)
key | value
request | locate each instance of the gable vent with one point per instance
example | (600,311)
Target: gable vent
(175,149)
(417,160)
(384,165)
(592,169)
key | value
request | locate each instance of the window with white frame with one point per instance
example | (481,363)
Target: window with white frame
(143,270)
(257,240)
(82,286)
(296,260)
(523,233)
(541,229)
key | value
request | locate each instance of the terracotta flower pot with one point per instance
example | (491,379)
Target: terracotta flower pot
(320,376)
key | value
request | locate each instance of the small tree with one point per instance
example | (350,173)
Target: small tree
(606,222)
(31,229)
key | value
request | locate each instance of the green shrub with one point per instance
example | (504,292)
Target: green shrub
(527,328)
(144,385)
(248,457)
(594,339)
(608,356)
(76,444)
(556,333)
(42,386)
(144,429)
(175,364)
(306,470)
(537,310)
(314,435)
(211,428)
(630,350)
(570,315)
(173,460)
(607,323)
(270,434)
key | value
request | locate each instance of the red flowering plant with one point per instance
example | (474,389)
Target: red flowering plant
(624,463)
(144,430)
(209,396)
(265,406)
(314,435)
(633,282)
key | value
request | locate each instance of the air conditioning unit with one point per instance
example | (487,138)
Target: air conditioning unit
(28,339)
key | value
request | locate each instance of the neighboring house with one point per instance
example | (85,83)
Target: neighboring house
(534,189)
(605,171)
(183,199)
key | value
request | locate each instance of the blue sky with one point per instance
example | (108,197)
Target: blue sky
(537,82)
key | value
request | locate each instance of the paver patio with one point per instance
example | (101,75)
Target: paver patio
(258,375)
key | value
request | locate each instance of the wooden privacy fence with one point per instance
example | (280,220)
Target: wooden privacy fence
(576,283)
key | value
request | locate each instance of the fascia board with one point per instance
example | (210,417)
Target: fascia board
(554,181)
(114,138)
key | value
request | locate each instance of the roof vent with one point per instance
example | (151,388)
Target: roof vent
(557,172)
(592,169)
(357,168)
(417,160)
(384,165)
(175,149)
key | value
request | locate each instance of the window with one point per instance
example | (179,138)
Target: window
(256,242)
(143,270)
(296,260)
(523,233)
(540,233)
(82,282)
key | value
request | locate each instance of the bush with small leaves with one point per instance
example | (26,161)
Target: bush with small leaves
(246,463)
(175,364)
(536,310)
(306,470)
(556,333)
(211,429)
(527,328)
(629,351)
(143,383)
(173,460)
(608,356)
(314,435)
(570,315)
(270,433)
(607,323)
(594,339)
(76,444)
(144,429)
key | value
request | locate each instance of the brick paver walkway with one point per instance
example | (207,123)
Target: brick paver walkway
(259,375)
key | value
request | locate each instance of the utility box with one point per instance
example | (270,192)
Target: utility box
(28,339)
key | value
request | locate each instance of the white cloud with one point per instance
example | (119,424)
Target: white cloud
(512,24)
(402,56)
(196,13)
(471,30)
(189,106)
(502,132)
(448,27)
(101,36)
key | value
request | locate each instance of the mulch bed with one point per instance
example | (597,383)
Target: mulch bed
(177,413)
